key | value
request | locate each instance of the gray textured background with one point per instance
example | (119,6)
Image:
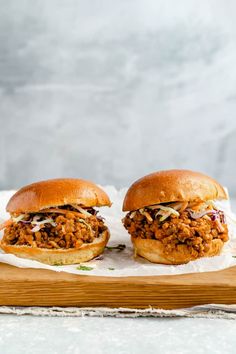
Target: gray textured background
(112,90)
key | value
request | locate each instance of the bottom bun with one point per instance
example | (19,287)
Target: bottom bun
(60,256)
(153,251)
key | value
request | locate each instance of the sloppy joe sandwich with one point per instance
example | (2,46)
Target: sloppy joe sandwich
(55,222)
(172,216)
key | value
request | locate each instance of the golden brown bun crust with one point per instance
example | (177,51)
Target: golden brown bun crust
(60,256)
(153,251)
(56,192)
(171,186)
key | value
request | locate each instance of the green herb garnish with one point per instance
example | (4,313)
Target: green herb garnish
(111,268)
(83,267)
(119,247)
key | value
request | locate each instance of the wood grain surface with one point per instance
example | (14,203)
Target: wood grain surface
(36,287)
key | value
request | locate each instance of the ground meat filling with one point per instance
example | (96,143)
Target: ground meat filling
(68,230)
(197,234)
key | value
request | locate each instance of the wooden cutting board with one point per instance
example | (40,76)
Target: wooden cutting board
(36,287)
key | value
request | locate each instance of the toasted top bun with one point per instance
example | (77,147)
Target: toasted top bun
(57,192)
(170,186)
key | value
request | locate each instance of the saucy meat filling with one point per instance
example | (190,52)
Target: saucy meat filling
(61,227)
(177,224)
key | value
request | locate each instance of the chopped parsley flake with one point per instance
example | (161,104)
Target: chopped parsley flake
(119,247)
(83,267)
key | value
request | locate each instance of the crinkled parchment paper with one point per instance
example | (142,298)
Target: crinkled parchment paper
(117,263)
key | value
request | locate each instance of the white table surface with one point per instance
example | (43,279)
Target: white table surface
(36,335)
(88,335)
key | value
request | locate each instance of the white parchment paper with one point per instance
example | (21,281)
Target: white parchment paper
(122,263)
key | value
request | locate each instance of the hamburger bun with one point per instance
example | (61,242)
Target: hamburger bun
(54,193)
(165,187)
(85,253)
(172,186)
(57,192)
(153,251)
